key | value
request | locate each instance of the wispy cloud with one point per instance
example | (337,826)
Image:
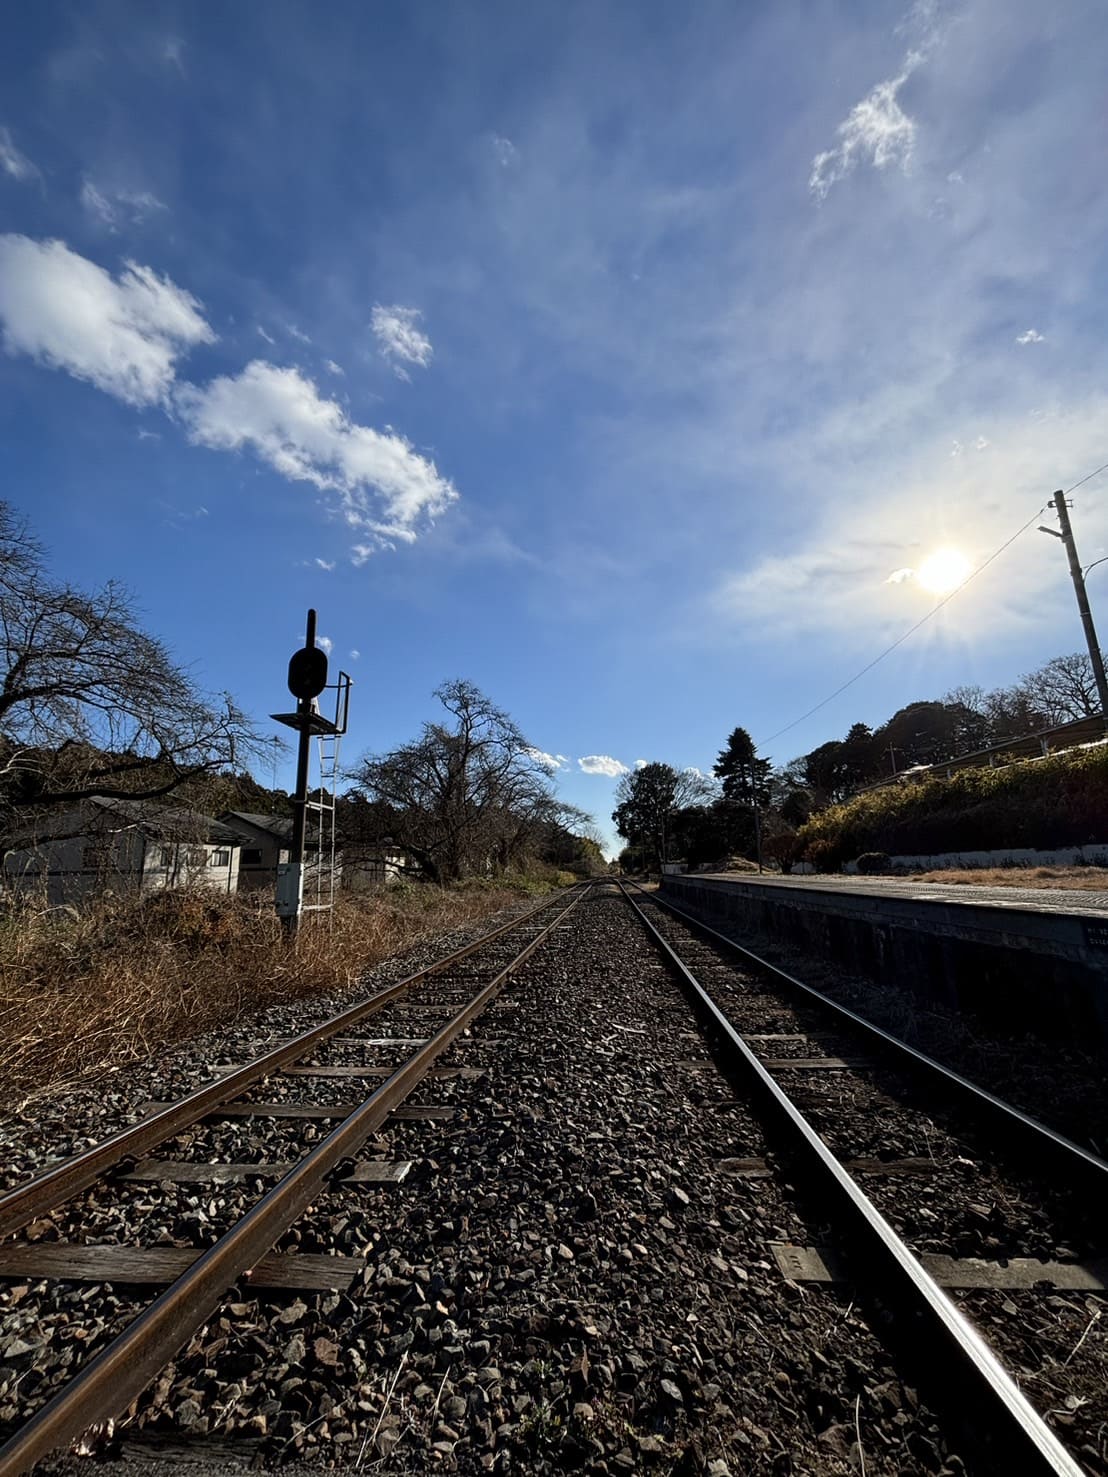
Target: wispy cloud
(297,333)
(602,764)
(116,208)
(1032,336)
(267,337)
(877,130)
(123,334)
(355,654)
(385,488)
(332,368)
(13,161)
(504,151)
(327,644)
(327,565)
(400,339)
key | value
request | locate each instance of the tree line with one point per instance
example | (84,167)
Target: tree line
(749,807)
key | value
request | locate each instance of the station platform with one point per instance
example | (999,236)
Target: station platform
(1021,960)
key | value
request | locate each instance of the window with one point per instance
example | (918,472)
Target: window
(252,856)
(197,856)
(220,859)
(167,856)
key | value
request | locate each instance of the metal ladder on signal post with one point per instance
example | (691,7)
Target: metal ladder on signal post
(322,807)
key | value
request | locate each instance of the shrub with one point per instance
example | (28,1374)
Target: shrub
(1061,800)
(872,862)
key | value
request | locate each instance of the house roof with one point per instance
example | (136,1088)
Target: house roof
(164,821)
(277,826)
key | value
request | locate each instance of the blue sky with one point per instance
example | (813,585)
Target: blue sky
(611,355)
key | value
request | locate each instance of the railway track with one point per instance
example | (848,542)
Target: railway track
(460,987)
(779,1036)
(583,1255)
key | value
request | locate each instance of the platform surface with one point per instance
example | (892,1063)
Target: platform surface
(1068,901)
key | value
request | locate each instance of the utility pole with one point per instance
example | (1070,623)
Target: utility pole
(1086,614)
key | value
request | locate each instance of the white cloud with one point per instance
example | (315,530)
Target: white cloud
(602,764)
(12,160)
(385,488)
(117,208)
(325,564)
(332,368)
(549,761)
(641,763)
(360,553)
(898,576)
(400,338)
(297,333)
(326,643)
(355,654)
(504,150)
(1032,336)
(121,334)
(877,130)
(262,334)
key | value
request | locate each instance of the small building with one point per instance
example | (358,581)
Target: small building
(375,864)
(266,841)
(106,844)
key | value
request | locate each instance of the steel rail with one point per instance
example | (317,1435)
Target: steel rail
(54,1186)
(122,1370)
(1016,1433)
(1054,1149)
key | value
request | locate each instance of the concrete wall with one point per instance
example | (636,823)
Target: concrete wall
(1019,971)
(1063,856)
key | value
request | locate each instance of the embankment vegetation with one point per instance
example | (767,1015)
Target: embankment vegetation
(1061,800)
(83,993)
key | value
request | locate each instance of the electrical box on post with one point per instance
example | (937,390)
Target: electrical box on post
(290,889)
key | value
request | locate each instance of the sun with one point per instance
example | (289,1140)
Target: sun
(943,571)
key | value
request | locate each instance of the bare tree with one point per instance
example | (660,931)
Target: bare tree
(89,703)
(1064,689)
(466,797)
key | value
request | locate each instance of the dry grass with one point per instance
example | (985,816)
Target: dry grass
(83,994)
(1079,879)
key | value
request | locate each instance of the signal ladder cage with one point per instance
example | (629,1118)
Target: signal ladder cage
(327,861)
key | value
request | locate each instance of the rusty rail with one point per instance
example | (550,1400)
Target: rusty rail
(122,1370)
(46,1191)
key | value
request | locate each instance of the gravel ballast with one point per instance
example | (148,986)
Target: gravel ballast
(569,1279)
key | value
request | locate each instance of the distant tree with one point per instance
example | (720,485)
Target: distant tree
(797,806)
(466,797)
(968,706)
(646,801)
(90,704)
(920,733)
(742,774)
(1064,689)
(824,775)
(1013,713)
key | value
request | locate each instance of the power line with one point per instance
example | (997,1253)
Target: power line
(900,640)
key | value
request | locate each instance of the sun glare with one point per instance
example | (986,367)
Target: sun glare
(943,571)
